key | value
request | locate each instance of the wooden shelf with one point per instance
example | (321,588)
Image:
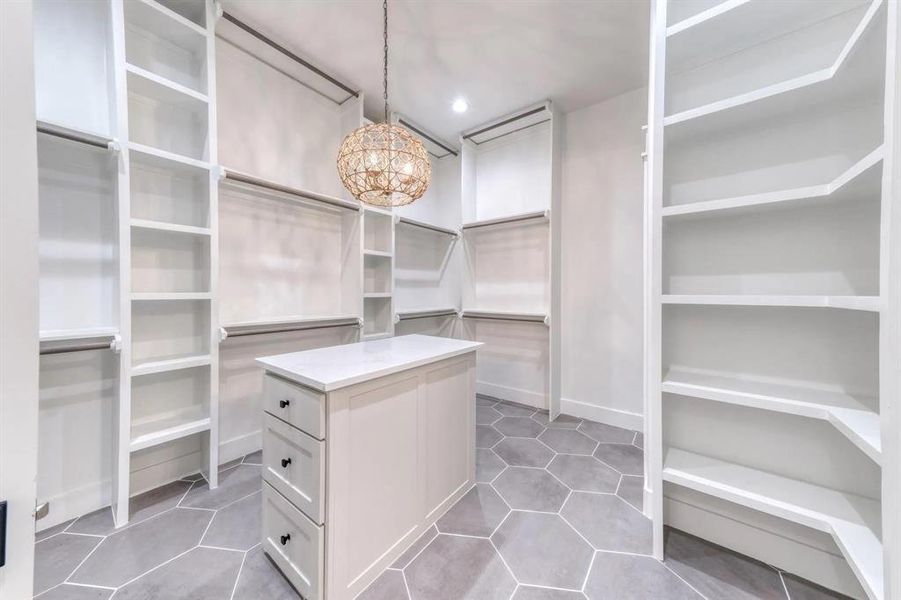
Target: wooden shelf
(172,364)
(170,227)
(863,179)
(853,418)
(540,215)
(161,157)
(852,520)
(733,25)
(150,85)
(169,296)
(168,428)
(862,303)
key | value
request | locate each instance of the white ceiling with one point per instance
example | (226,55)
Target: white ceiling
(500,55)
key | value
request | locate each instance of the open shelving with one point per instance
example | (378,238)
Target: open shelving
(768,222)
(511,252)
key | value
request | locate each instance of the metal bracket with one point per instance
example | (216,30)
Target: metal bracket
(41,510)
(223,334)
(116,344)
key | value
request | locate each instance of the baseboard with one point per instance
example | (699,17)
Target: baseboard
(512,394)
(88,498)
(240,446)
(804,552)
(602,414)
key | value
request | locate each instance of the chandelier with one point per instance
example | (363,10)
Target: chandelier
(383,164)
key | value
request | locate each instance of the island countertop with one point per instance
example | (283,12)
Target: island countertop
(334,367)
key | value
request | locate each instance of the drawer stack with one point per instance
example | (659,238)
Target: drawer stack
(294,482)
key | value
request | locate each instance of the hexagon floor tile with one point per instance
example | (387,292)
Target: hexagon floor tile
(525,532)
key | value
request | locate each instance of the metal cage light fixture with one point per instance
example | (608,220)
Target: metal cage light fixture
(383,164)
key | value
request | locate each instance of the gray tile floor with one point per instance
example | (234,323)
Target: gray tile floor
(555,515)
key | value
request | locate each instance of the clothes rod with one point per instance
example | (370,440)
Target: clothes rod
(278,47)
(424,314)
(507,121)
(75,135)
(422,225)
(230,331)
(502,316)
(541,214)
(423,134)
(244,178)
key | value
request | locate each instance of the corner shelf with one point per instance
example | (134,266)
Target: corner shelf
(851,520)
(168,428)
(851,417)
(862,303)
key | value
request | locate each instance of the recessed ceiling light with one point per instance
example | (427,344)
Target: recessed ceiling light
(460,105)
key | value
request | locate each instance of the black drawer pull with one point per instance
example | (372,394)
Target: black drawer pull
(285,539)
(286,462)
(284,403)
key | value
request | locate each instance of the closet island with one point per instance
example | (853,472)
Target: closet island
(365,445)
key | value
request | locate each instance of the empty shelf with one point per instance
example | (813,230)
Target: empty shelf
(167,296)
(165,23)
(307,195)
(505,316)
(427,226)
(172,364)
(852,520)
(376,336)
(863,303)
(150,85)
(76,135)
(159,157)
(543,215)
(154,432)
(833,85)
(861,180)
(405,315)
(733,25)
(285,324)
(170,227)
(853,419)
(382,253)
(377,295)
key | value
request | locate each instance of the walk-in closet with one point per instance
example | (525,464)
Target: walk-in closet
(401,300)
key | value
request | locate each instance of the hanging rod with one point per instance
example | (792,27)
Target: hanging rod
(230,175)
(424,314)
(425,135)
(424,225)
(525,114)
(286,325)
(539,214)
(278,47)
(76,135)
(62,343)
(505,316)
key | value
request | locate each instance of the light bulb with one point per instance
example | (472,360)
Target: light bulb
(460,105)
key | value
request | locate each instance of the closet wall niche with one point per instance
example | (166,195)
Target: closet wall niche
(769,212)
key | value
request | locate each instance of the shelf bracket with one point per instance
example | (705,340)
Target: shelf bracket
(116,344)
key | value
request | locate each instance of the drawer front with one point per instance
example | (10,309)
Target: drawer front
(293,463)
(299,406)
(294,543)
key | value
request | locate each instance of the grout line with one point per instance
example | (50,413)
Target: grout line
(159,566)
(693,588)
(618,483)
(78,566)
(588,572)
(238,576)
(788,595)
(407,585)
(208,547)
(224,506)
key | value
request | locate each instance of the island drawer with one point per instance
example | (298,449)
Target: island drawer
(294,543)
(293,463)
(301,407)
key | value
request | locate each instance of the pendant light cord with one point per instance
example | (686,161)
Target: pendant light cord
(385,81)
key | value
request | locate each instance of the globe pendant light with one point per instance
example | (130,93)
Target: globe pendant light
(383,164)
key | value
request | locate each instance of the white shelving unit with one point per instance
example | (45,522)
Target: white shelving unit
(511,244)
(769,218)
(427,260)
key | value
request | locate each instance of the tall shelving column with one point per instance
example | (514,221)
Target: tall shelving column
(165,102)
(510,192)
(378,273)
(770,294)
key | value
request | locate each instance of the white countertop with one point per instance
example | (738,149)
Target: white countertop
(327,369)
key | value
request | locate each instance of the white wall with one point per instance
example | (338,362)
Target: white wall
(602,260)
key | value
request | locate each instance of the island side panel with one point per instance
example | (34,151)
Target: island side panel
(386,454)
